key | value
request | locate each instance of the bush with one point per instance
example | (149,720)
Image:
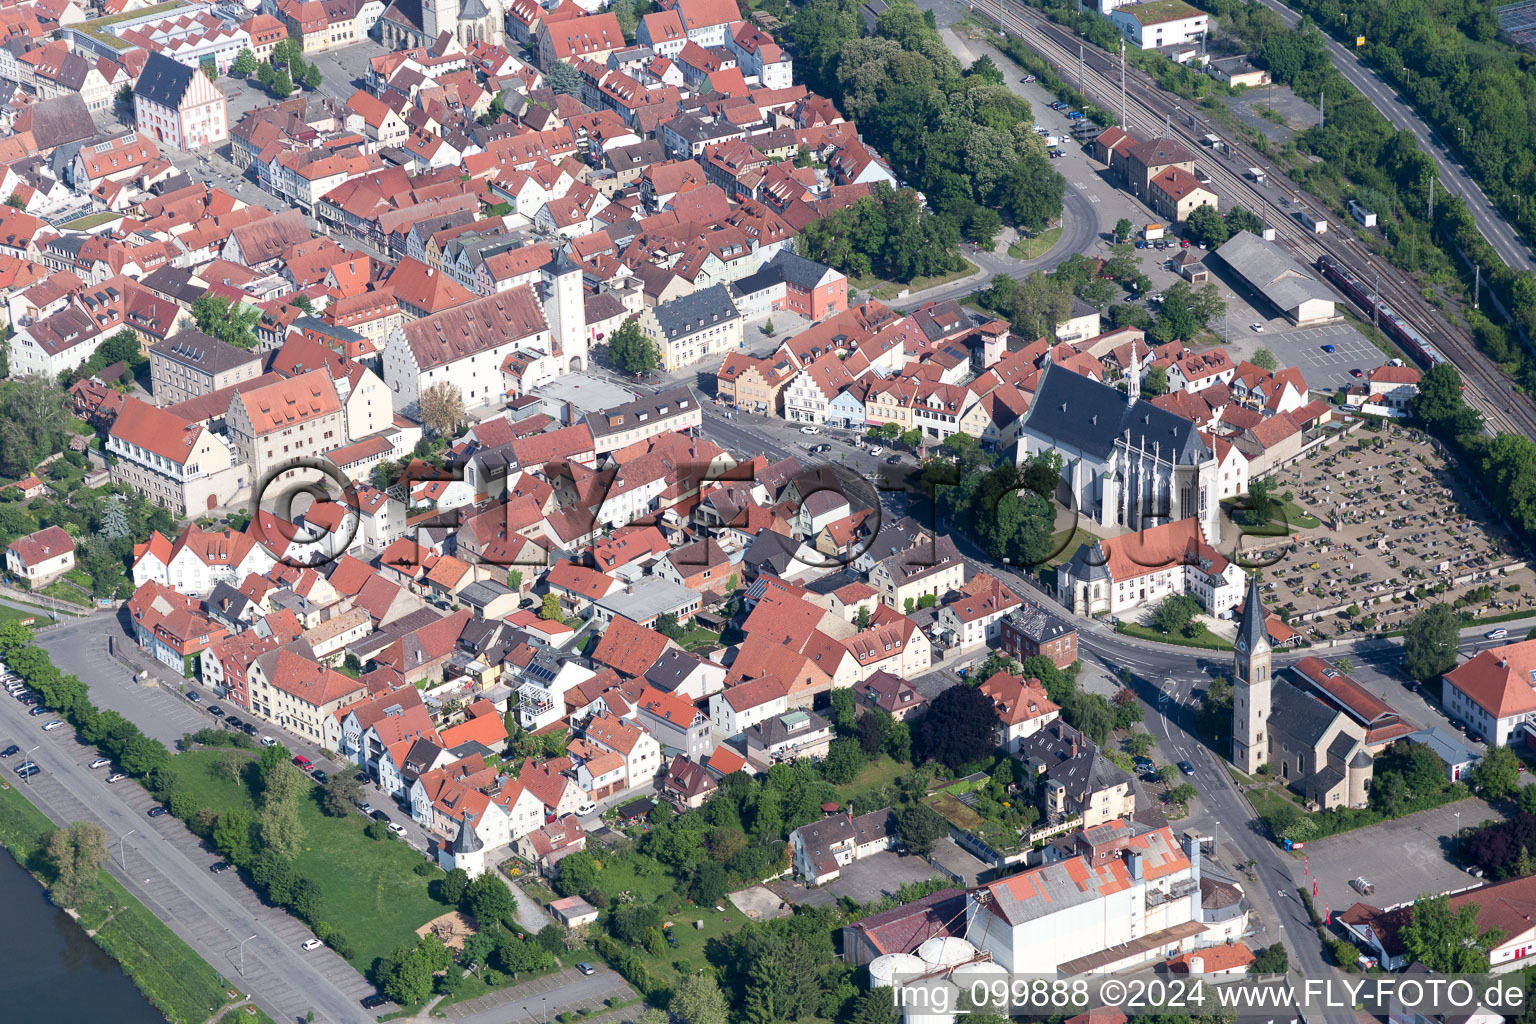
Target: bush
(425,868)
(376,830)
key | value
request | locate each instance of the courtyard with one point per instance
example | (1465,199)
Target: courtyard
(1395,525)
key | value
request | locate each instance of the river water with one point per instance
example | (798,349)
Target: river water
(50,970)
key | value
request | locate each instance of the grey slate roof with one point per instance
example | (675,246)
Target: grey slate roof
(1038,624)
(164,81)
(209,354)
(689,313)
(1299,715)
(1251,631)
(1089,563)
(1078,412)
(467,841)
(645,409)
(797,270)
(671,669)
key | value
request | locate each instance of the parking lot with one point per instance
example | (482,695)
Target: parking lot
(1389,516)
(1402,859)
(1303,349)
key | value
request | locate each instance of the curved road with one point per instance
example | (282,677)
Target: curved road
(1504,238)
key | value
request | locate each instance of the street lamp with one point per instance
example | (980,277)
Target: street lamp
(122,853)
(546,1008)
(242,955)
(24,757)
(1458,831)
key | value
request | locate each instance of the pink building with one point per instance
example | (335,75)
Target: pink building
(179,106)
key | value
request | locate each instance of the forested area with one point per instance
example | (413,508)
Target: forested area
(956,134)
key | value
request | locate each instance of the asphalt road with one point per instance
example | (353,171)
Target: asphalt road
(169,871)
(1504,239)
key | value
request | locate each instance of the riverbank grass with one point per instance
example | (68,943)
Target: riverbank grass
(177,981)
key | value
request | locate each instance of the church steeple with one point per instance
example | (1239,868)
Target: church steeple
(1251,684)
(1133,375)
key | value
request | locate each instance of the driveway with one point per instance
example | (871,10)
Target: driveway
(537,1001)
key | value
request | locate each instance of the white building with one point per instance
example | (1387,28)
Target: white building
(178,105)
(41,557)
(1154,24)
(1493,692)
(1125,572)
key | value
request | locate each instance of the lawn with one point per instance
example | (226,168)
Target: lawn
(1065,544)
(873,777)
(1266,801)
(248,1014)
(9,614)
(959,813)
(369,890)
(698,637)
(649,882)
(172,977)
(874,287)
(1205,642)
(1039,245)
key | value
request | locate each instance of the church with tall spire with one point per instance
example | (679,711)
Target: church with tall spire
(1308,737)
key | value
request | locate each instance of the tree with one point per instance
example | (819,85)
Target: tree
(124,95)
(442,408)
(578,874)
(875,1007)
(1123,229)
(1138,743)
(958,727)
(844,711)
(1240,219)
(1155,382)
(1264,359)
(1272,959)
(304,304)
(697,999)
(1262,505)
(454,885)
(232,835)
(997,661)
(562,78)
(405,976)
(1174,612)
(1183,793)
(1497,775)
(844,761)
(266,74)
(631,351)
(1441,405)
(550,609)
(312,77)
(668,626)
(281,830)
(873,729)
(783,981)
(341,794)
(235,326)
(920,828)
(76,854)
(489,899)
(282,84)
(1430,642)
(1446,941)
(245,62)
(1204,224)
(211,70)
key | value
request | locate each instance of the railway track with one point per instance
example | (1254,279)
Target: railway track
(1151,113)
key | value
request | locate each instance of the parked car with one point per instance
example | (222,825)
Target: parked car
(8,751)
(379,816)
(234,723)
(215,711)
(39,710)
(57,723)
(876,450)
(1363,886)
(586,968)
(28,770)
(1074,115)
(1256,328)
(319,776)
(311,944)
(1027,79)
(250,730)
(396,828)
(1058,105)
(268,741)
(366,809)
(585,809)
(302,761)
(116,777)
(374,1001)
(1141,243)
(1184,243)
(155,812)
(1357,372)
(810,430)
(193,697)
(220,867)
(1329,349)
(100,762)
(1143,763)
